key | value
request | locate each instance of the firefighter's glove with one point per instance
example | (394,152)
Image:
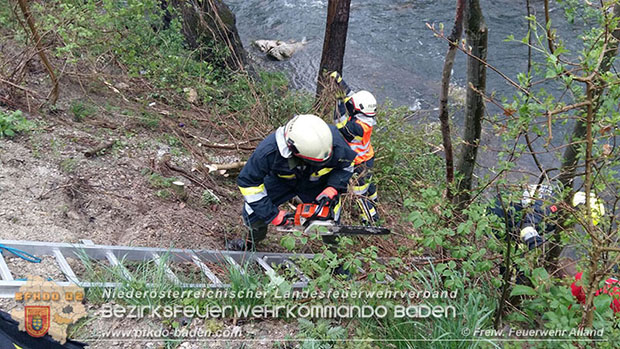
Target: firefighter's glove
(328,194)
(531,238)
(283,218)
(335,75)
(340,95)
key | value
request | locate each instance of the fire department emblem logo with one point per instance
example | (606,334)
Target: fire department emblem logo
(37,320)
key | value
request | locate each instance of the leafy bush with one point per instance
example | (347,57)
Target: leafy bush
(268,101)
(405,156)
(320,334)
(12,123)
(81,110)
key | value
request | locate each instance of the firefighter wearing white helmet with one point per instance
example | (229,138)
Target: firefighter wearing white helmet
(354,116)
(362,102)
(597,208)
(309,138)
(540,206)
(306,158)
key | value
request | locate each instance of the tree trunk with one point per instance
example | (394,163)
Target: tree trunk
(335,40)
(210,23)
(477,34)
(53,95)
(444,116)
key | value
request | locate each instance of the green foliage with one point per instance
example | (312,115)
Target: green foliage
(405,159)
(559,309)
(320,334)
(209,198)
(275,103)
(149,120)
(136,35)
(579,87)
(468,240)
(145,276)
(161,183)
(163,194)
(68,165)
(12,123)
(158,181)
(81,110)
(473,310)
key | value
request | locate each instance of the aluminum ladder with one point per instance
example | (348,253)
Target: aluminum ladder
(116,255)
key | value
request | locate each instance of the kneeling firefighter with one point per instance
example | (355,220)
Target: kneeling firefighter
(305,158)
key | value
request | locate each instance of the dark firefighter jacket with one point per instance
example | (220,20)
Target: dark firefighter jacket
(273,158)
(537,214)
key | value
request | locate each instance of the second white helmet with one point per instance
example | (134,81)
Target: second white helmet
(363,102)
(597,207)
(309,138)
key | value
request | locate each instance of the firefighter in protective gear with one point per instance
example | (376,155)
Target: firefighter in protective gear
(528,220)
(305,158)
(540,211)
(354,116)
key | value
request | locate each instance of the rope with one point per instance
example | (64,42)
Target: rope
(21,254)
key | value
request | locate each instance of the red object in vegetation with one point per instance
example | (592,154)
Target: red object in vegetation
(609,288)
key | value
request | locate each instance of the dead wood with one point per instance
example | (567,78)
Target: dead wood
(95,151)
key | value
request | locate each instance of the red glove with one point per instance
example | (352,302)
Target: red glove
(283,218)
(329,192)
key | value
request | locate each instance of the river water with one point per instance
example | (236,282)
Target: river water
(392,53)
(389,51)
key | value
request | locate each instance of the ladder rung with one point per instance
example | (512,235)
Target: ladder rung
(64,266)
(5,272)
(205,269)
(114,262)
(299,273)
(264,264)
(302,277)
(234,263)
(167,269)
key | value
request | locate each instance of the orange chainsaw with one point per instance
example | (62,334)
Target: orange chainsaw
(319,218)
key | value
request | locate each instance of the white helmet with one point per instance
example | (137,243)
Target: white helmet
(309,138)
(596,205)
(362,102)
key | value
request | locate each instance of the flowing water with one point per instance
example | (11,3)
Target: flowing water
(391,52)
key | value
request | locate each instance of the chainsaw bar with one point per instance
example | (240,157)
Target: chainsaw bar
(328,228)
(358,230)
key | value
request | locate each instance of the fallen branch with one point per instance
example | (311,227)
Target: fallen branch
(95,151)
(209,144)
(166,162)
(114,89)
(224,167)
(43,196)
(233,146)
(21,88)
(221,190)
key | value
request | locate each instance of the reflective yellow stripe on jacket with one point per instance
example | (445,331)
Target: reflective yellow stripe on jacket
(253,194)
(320,173)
